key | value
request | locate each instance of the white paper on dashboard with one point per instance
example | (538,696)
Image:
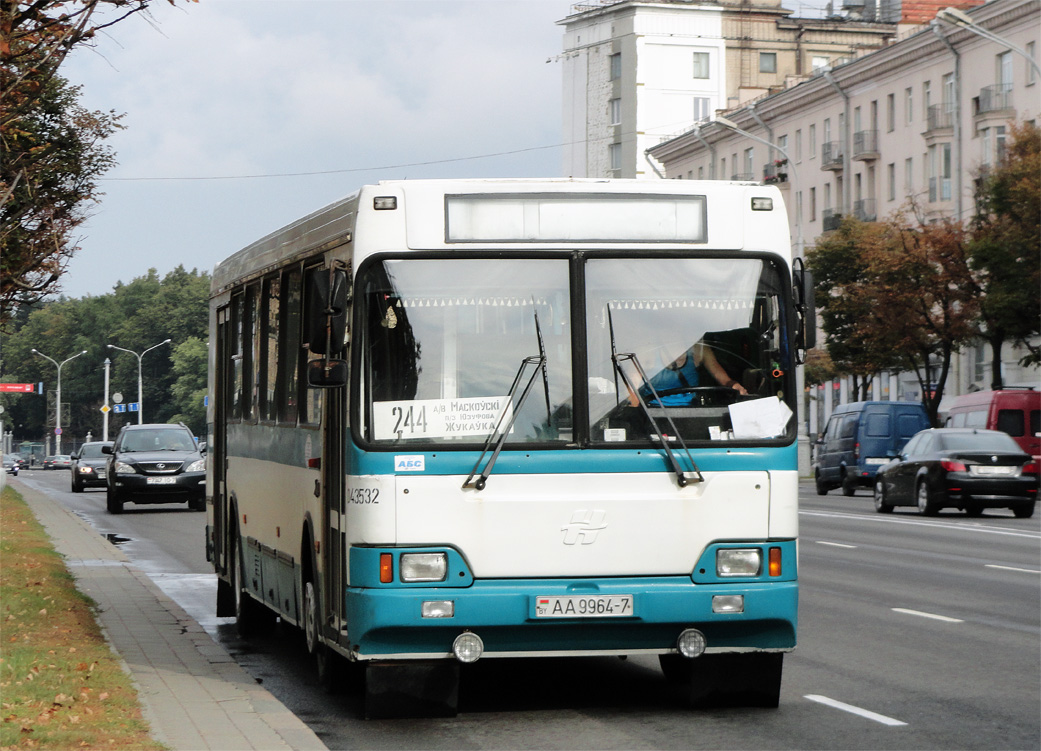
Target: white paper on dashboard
(759,418)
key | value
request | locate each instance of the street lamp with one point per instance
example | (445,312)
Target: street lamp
(964,21)
(140,393)
(57,410)
(730,125)
(803,439)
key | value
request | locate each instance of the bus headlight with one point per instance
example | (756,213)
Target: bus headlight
(424,567)
(739,561)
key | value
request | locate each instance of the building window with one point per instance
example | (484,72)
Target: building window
(908,105)
(891,180)
(798,145)
(614,151)
(999,143)
(782,146)
(749,163)
(616,66)
(1005,68)
(615,106)
(909,176)
(813,204)
(1032,54)
(820,62)
(813,141)
(927,97)
(701,65)
(939,172)
(701,173)
(827,195)
(767,62)
(890,112)
(948,92)
(701,108)
(723,168)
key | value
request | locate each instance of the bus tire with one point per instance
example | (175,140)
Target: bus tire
(328,664)
(736,680)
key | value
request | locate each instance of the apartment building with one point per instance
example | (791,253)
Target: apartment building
(637,70)
(915,121)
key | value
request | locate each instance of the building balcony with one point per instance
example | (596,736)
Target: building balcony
(865,145)
(776,172)
(831,219)
(743,177)
(831,155)
(939,117)
(996,98)
(864,210)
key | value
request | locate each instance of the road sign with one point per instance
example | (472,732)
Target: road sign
(120,408)
(57,431)
(133,406)
(106,409)
(18,388)
(117,398)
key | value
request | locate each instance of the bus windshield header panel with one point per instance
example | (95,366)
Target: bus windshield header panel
(574,218)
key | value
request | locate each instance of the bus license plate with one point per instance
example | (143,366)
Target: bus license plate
(595,606)
(161,481)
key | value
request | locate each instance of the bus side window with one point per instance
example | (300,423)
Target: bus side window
(270,353)
(235,383)
(288,386)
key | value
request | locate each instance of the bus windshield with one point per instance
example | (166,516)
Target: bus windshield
(682,339)
(444,342)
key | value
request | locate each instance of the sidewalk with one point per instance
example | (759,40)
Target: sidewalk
(193,694)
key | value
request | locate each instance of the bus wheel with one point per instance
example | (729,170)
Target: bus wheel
(250,616)
(327,662)
(744,680)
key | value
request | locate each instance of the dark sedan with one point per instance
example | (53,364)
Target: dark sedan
(88,467)
(958,468)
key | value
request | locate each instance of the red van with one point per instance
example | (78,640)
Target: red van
(1016,411)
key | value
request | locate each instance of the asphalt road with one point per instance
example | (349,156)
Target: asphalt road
(915,633)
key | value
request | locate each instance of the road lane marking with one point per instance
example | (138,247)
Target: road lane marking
(910,520)
(865,713)
(836,544)
(934,616)
(1012,568)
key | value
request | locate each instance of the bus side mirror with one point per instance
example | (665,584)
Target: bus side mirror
(804,306)
(327,300)
(326,374)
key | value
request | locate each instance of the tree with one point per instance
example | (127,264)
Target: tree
(841,275)
(53,148)
(1003,253)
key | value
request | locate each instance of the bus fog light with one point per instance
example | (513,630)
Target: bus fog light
(728,603)
(424,567)
(438,609)
(467,647)
(691,643)
(739,561)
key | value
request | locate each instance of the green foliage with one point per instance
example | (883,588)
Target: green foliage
(1004,252)
(134,316)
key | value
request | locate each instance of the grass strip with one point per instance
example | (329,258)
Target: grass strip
(61,686)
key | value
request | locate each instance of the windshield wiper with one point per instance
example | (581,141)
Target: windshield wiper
(682,477)
(539,361)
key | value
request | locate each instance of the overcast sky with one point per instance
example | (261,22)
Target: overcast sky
(224,100)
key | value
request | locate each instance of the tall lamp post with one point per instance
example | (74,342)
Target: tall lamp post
(57,406)
(803,436)
(964,21)
(140,393)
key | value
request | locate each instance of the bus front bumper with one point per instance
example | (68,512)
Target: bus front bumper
(388,624)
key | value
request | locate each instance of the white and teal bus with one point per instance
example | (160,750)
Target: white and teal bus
(454,420)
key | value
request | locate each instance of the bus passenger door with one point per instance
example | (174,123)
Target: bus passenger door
(216,457)
(333,472)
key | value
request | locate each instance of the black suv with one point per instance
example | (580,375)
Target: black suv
(155,463)
(88,466)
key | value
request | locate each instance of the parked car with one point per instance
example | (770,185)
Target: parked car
(859,438)
(11,464)
(962,468)
(88,466)
(1016,411)
(57,461)
(155,463)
